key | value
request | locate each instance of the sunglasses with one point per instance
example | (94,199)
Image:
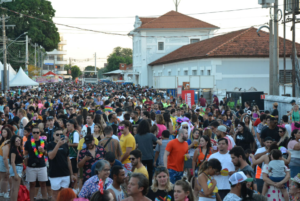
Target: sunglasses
(59,134)
(131,159)
(160,169)
(121,127)
(35,133)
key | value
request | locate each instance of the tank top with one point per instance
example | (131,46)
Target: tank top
(209,183)
(296,116)
(119,194)
(202,156)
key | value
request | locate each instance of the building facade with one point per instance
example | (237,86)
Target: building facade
(153,38)
(55,61)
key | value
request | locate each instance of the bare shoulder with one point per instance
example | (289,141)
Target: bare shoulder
(127,199)
(146,199)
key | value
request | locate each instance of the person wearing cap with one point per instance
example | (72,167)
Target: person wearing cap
(222,133)
(293,102)
(239,188)
(227,167)
(88,156)
(295,188)
(50,130)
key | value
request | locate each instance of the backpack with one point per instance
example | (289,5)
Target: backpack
(23,194)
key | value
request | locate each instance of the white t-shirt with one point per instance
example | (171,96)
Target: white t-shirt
(84,129)
(75,139)
(288,128)
(121,118)
(232,197)
(259,151)
(227,165)
(115,137)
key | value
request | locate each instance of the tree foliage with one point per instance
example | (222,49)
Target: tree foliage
(119,55)
(43,33)
(75,72)
(91,68)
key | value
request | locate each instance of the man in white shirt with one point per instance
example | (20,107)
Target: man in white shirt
(260,152)
(227,167)
(119,112)
(90,123)
(238,182)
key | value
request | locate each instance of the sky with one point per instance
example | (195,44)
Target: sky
(118,16)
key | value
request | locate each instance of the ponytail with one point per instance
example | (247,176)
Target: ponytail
(186,187)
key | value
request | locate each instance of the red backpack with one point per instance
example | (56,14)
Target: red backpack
(23,194)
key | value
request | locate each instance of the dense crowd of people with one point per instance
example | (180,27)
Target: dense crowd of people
(119,142)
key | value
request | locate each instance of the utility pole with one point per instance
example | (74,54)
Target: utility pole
(275,83)
(284,52)
(26,59)
(271,69)
(35,55)
(176,2)
(294,53)
(4,55)
(96,64)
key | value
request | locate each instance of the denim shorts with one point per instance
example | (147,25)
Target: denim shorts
(19,169)
(175,176)
(278,179)
(2,166)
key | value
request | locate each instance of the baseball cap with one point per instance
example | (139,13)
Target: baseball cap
(210,114)
(296,178)
(99,112)
(239,177)
(293,101)
(119,110)
(88,139)
(222,129)
(157,112)
(50,118)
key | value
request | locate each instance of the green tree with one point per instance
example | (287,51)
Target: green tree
(43,33)
(91,68)
(75,72)
(119,55)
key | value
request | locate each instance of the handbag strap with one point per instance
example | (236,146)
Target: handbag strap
(107,142)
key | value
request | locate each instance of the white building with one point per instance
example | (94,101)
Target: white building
(55,60)
(154,38)
(222,63)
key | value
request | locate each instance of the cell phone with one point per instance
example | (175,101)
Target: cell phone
(62,137)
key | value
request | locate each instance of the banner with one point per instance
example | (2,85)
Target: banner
(188,96)
(46,79)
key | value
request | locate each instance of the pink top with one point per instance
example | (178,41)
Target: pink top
(255,115)
(161,128)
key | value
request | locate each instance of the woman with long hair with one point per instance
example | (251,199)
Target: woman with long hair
(144,141)
(168,122)
(284,136)
(160,123)
(205,184)
(183,190)
(98,132)
(202,153)
(208,133)
(4,167)
(255,112)
(294,148)
(244,137)
(16,168)
(63,124)
(161,187)
(195,121)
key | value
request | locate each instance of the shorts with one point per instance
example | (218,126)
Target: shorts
(127,167)
(74,165)
(277,179)
(19,169)
(59,182)
(33,174)
(2,165)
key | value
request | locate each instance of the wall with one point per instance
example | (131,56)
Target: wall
(228,73)
(145,48)
(284,105)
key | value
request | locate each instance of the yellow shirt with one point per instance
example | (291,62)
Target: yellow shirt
(174,122)
(142,170)
(127,141)
(80,144)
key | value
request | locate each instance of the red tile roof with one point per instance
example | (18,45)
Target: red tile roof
(242,44)
(174,19)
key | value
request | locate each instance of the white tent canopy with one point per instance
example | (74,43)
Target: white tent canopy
(21,79)
(11,72)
